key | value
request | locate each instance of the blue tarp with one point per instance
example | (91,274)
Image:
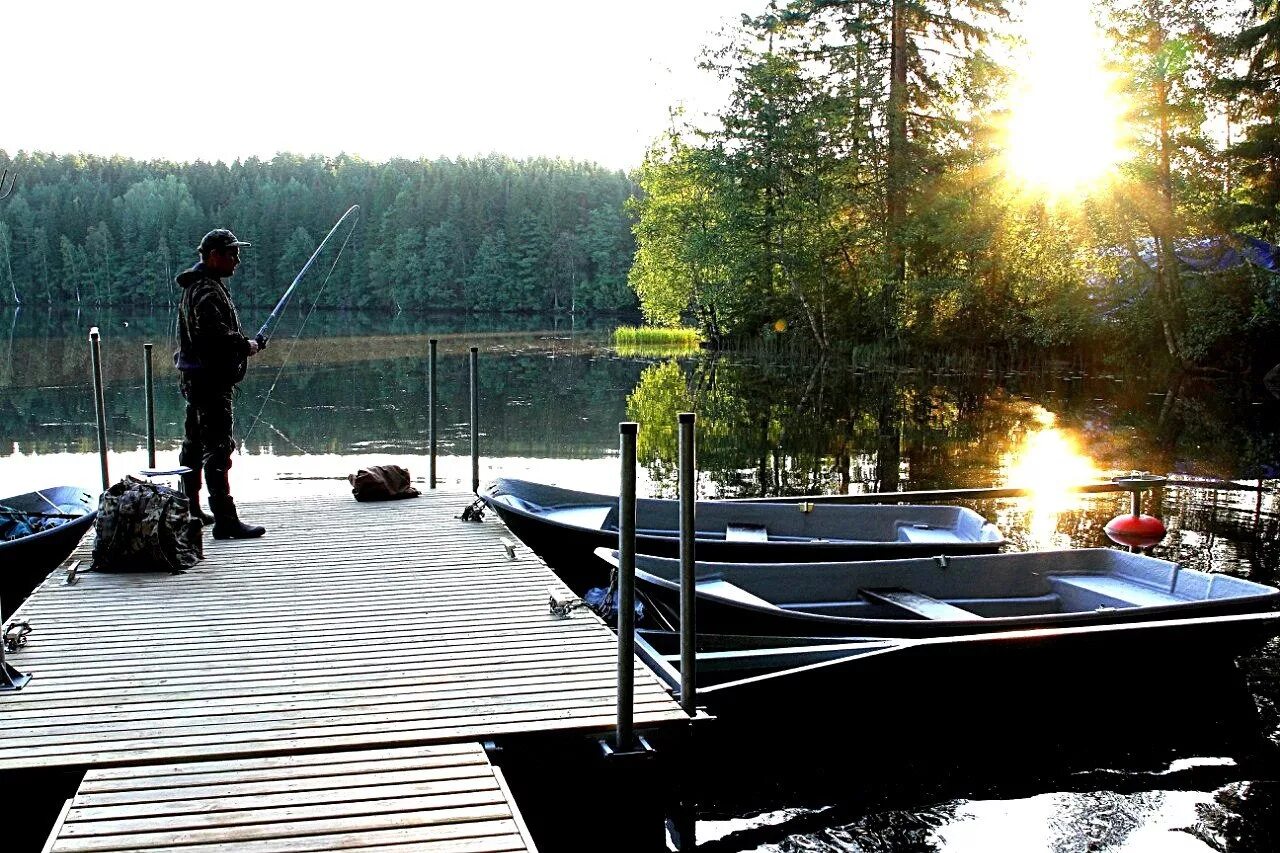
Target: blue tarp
(1208,254)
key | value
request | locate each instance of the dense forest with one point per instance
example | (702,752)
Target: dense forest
(489,234)
(852,188)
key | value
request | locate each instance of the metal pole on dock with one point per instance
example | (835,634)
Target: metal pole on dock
(149,381)
(475,420)
(688,630)
(627,432)
(99,403)
(431,411)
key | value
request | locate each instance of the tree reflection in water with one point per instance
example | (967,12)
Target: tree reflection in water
(357,386)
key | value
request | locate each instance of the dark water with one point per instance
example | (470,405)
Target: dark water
(1185,761)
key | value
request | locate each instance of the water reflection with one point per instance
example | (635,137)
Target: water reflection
(1048,461)
(354,392)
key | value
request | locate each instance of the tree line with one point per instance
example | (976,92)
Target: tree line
(850,189)
(486,234)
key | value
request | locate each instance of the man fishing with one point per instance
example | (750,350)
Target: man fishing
(212,356)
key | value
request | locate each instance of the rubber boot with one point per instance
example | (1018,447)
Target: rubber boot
(227,523)
(191,488)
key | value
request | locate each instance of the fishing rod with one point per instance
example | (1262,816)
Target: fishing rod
(275,312)
(284,300)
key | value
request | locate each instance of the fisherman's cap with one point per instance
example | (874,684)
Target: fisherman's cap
(220,238)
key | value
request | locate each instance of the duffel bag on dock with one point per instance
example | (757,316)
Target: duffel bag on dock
(381,483)
(144,527)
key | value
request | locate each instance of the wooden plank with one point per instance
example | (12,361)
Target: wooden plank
(917,604)
(394,781)
(582,721)
(341,810)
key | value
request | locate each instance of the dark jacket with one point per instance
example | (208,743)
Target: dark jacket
(210,342)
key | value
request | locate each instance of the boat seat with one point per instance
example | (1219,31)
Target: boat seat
(1093,591)
(731,591)
(745,533)
(917,604)
(925,533)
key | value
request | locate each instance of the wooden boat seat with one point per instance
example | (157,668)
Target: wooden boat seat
(745,533)
(917,604)
(731,591)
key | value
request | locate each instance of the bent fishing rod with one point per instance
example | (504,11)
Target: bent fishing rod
(262,335)
(284,300)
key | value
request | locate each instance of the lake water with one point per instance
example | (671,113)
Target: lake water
(1192,768)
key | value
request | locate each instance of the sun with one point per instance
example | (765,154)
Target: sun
(1065,129)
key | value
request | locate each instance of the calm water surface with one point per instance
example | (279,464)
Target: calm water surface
(1188,765)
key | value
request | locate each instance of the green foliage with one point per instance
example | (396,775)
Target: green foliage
(488,235)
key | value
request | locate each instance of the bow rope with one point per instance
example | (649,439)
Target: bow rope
(354,210)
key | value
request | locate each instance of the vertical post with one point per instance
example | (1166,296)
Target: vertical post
(688,630)
(149,381)
(99,403)
(627,432)
(475,420)
(431,411)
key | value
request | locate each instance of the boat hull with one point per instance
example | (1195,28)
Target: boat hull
(25,562)
(812,536)
(1085,661)
(951,597)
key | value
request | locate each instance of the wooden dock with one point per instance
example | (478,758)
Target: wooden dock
(351,626)
(443,797)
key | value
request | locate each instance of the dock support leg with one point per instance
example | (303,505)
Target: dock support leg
(637,824)
(99,403)
(149,381)
(475,420)
(431,412)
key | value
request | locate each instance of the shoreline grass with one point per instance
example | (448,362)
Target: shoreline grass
(659,340)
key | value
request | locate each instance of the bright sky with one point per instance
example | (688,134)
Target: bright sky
(226,79)
(583,79)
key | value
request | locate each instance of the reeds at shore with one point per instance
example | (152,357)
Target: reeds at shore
(655,340)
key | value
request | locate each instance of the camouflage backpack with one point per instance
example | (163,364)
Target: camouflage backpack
(144,527)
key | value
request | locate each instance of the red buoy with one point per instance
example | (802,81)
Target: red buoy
(1133,528)
(1136,531)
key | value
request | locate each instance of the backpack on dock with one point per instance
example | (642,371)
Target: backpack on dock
(145,527)
(382,483)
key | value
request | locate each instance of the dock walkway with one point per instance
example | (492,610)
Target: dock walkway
(444,797)
(350,626)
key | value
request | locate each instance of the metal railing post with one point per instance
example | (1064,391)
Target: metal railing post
(475,420)
(431,411)
(627,432)
(99,403)
(688,628)
(149,381)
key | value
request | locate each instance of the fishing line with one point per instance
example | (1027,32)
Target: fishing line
(354,210)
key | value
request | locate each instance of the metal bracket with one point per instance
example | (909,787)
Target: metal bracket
(10,678)
(640,751)
(510,548)
(563,607)
(15,635)
(73,576)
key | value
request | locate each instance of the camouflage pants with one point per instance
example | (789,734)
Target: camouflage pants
(207,442)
